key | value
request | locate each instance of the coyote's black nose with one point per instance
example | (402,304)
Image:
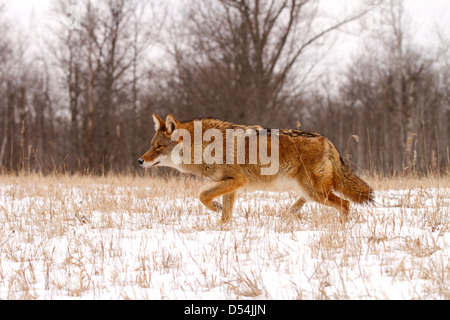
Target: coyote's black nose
(141,161)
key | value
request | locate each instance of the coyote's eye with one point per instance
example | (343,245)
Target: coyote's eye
(159,147)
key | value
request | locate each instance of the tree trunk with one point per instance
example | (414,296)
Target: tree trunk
(23,131)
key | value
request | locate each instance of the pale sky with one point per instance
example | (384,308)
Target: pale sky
(427,13)
(34,18)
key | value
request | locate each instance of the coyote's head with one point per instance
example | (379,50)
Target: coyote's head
(161,145)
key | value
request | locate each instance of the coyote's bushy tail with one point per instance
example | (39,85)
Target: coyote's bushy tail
(350,185)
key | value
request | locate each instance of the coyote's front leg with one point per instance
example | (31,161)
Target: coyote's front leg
(294,210)
(227,188)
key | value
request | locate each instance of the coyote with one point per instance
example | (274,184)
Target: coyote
(306,160)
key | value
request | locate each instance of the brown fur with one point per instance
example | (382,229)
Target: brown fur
(308,159)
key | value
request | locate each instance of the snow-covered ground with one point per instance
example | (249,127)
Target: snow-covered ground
(100,241)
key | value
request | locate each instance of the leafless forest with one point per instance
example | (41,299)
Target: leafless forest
(82,101)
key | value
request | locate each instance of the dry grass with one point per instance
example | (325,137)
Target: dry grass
(132,237)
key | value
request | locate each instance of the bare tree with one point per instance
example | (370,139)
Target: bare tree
(103,62)
(13,78)
(249,49)
(5,54)
(391,100)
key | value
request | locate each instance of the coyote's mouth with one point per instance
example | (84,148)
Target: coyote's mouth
(155,164)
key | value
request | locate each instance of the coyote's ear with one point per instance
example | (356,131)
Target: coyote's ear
(171,124)
(159,123)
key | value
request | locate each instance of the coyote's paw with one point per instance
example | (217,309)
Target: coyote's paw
(351,217)
(223,225)
(218,206)
(291,217)
(292,214)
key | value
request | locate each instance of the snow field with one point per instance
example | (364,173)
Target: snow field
(135,238)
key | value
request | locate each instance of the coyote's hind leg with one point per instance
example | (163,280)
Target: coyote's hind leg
(228,203)
(332,200)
